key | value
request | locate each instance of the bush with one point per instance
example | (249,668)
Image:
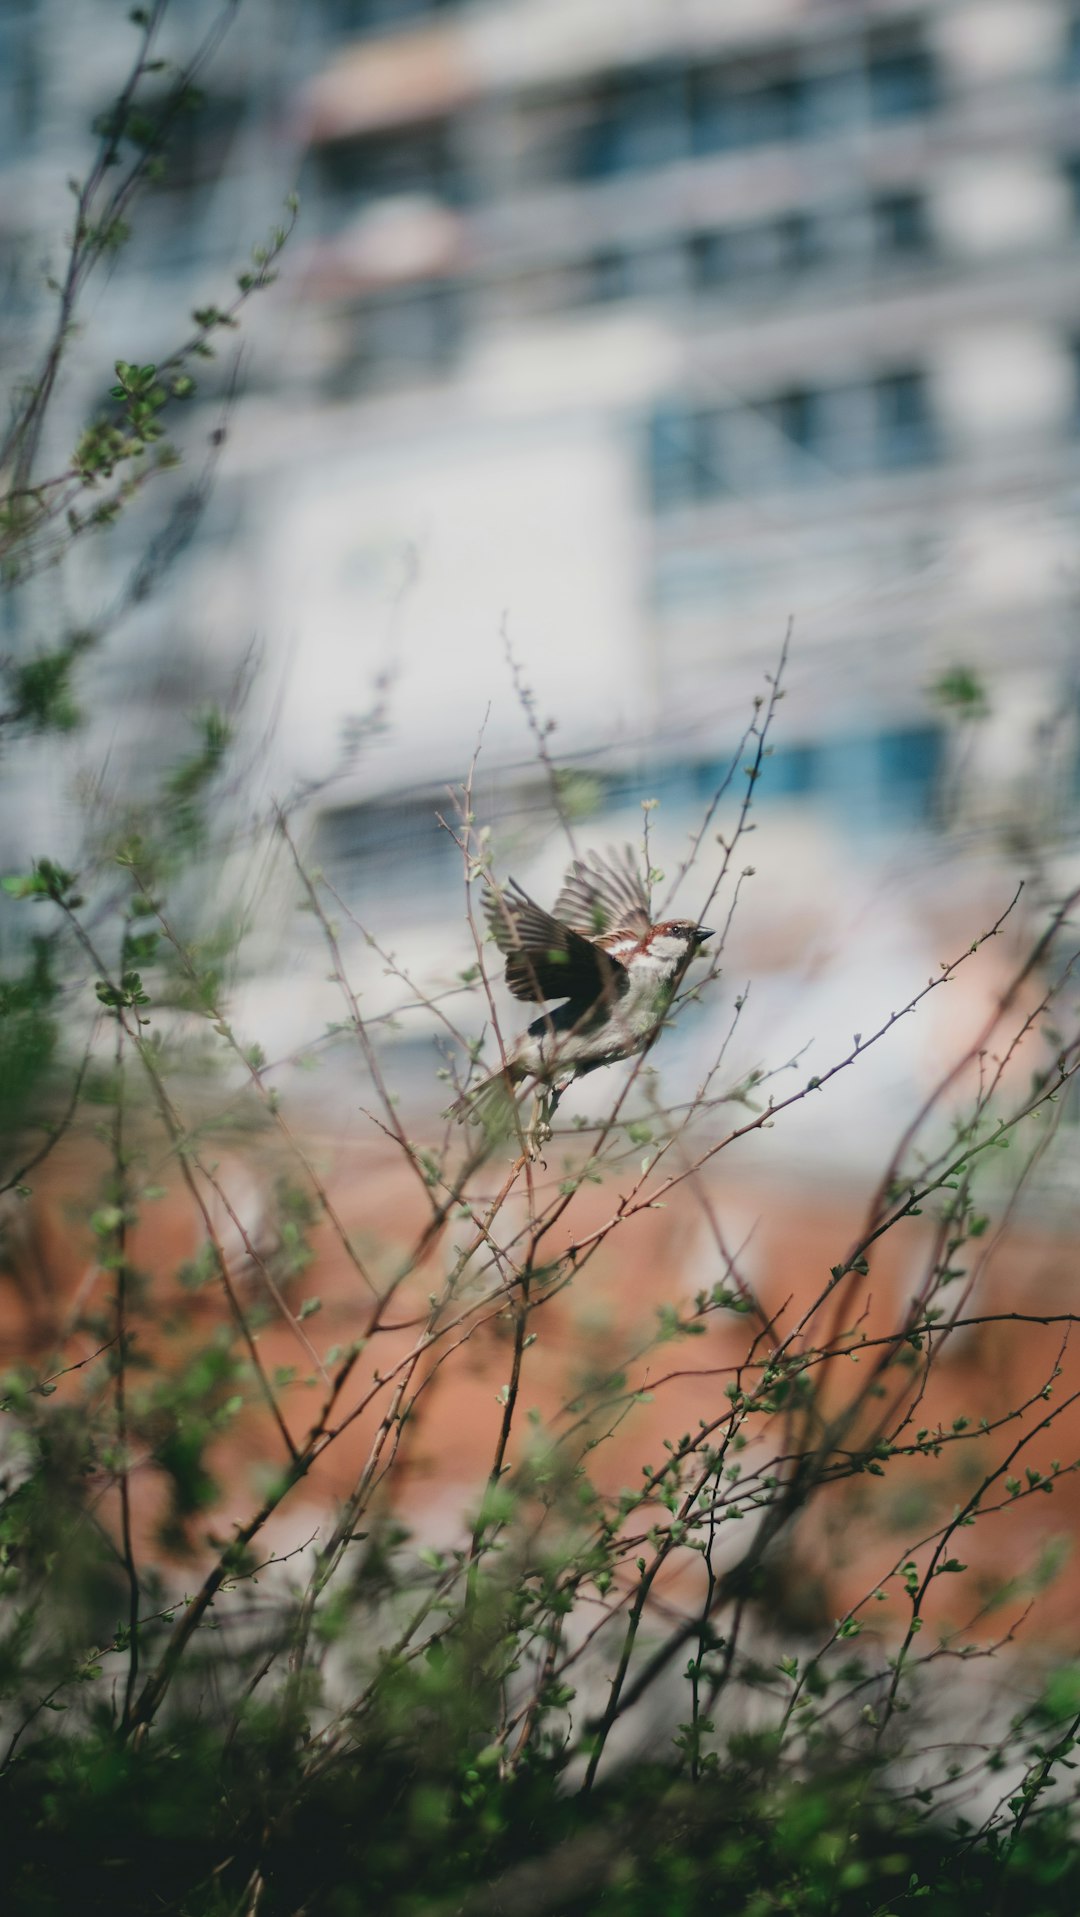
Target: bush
(197,1720)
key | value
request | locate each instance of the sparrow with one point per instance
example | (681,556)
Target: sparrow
(599,952)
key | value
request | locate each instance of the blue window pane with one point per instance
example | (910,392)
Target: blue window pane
(850,778)
(762,116)
(800,417)
(901,83)
(679,464)
(756,250)
(370,16)
(674,785)
(729,110)
(419,160)
(790,442)
(801,241)
(831,103)
(657,272)
(624,789)
(709,775)
(638,123)
(806,436)
(20,80)
(645,272)
(876,779)
(711,261)
(18,283)
(710,124)
(609,278)
(906,433)
(791,773)
(899,224)
(911,764)
(386,846)
(418,329)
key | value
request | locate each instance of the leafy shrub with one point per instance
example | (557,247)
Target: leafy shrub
(197,1722)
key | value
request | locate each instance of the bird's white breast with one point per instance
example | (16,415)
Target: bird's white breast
(665,950)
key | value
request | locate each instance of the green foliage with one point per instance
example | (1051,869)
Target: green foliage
(197,1720)
(418,1832)
(41,691)
(961,692)
(28,1032)
(186,787)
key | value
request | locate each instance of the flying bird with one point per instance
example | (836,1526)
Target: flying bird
(599,952)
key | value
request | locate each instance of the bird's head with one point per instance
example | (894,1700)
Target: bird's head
(693,936)
(676,941)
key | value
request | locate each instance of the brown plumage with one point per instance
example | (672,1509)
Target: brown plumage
(599,952)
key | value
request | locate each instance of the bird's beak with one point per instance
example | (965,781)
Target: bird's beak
(704,932)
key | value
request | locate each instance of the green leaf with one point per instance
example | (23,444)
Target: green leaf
(107,1220)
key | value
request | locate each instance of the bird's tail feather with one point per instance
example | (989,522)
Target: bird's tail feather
(491,1104)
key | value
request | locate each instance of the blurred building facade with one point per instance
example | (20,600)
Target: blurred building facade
(808,272)
(619,333)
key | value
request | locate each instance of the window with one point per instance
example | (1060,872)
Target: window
(734,106)
(654,115)
(196,148)
(647,272)
(795,97)
(873,778)
(636,123)
(899,224)
(374,16)
(901,78)
(911,766)
(404,334)
(20,79)
(755,251)
(800,418)
(802,436)
(676,786)
(680,467)
(1075,353)
(905,433)
(711,262)
(609,279)
(790,773)
(800,241)
(776,443)
(673,110)
(197,141)
(738,257)
(658,272)
(833,101)
(18,280)
(421,160)
(892,226)
(387,845)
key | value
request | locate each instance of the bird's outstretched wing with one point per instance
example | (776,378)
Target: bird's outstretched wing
(547,959)
(601,895)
